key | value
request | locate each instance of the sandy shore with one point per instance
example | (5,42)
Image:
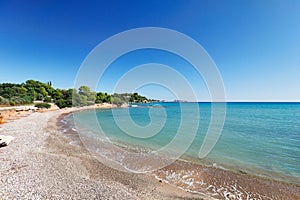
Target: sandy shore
(40,163)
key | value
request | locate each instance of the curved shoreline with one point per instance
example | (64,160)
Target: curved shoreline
(220,183)
(41,164)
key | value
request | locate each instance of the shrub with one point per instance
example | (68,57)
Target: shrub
(12,103)
(3,101)
(47,99)
(42,105)
(61,103)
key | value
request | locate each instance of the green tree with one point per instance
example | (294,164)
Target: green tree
(57,94)
(86,91)
(116,100)
(136,98)
(26,93)
(103,98)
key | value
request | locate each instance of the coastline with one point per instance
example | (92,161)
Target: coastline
(225,184)
(42,163)
(221,183)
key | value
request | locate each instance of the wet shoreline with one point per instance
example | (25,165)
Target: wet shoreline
(216,182)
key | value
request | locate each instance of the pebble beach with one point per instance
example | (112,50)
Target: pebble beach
(40,163)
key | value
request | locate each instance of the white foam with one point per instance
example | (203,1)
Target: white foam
(74,129)
(219,166)
(74,143)
(63,121)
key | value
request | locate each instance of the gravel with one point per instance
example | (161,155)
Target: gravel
(41,164)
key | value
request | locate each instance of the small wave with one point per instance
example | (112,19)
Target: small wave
(219,166)
(74,129)
(75,143)
(63,121)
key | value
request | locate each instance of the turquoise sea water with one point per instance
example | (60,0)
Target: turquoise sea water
(257,138)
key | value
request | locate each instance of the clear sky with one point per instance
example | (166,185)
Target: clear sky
(255,43)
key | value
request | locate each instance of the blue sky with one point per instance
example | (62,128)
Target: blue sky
(255,44)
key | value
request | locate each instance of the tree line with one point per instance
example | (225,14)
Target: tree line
(12,94)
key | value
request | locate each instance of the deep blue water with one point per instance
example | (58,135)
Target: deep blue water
(258,138)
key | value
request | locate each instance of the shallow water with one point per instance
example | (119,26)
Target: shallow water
(262,139)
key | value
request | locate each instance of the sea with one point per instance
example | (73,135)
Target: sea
(259,139)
